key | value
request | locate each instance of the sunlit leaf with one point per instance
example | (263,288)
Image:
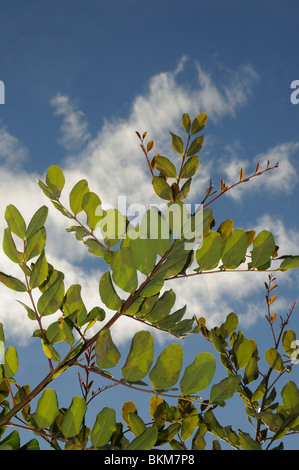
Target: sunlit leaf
(72,420)
(12,282)
(165,372)
(177,143)
(124,273)
(234,249)
(55,180)
(10,362)
(199,374)
(199,123)
(37,222)
(274,359)
(51,300)
(140,357)
(35,244)
(263,247)
(47,409)
(144,441)
(108,293)
(10,248)
(107,353)
(76,196)
(15,221)
(165,166)
(162,188)
(103,428)
(224,389)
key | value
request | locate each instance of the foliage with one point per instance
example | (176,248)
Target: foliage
(139,265)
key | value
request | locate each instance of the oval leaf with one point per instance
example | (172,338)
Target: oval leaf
(199,374)
(166,371)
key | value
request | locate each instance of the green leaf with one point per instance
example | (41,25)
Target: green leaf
(165,372)
(37,222)
(136,424)
(10,249)
(241,351)
(143,256)
(155,229)
(177,143)
(73,305)
(140,357)
(91,204)
(190,167)
(162,188)
(113,227)
(234,249)
(35,244)
(198,442)
(229,326)
(183,193)
(12,282)
(47,409)
(290,397)
(73,418)
(195,146)
(247,443)
(51,300)
(274,359)
(107,353)
(208,255)
(251,372)
(95,248)
(76,196)
(199,374)
(80,232)
(186,121)
(288,342)
(189,425)
(224,389)
(162,307)
(50,351)
(15,221)
(39,271)
(199,123)
(263,248)
(290,262)
(10,362)
(166,435)
(103,428)
(124,273)
(11,442)
(108,293)
(164,165)
(271,420)
(55,180)
(144,441)
(226,228)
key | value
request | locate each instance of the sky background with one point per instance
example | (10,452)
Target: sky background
(82,76)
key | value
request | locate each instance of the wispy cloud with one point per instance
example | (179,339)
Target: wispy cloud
(74,127)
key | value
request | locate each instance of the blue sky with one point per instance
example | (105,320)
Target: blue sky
(81,76)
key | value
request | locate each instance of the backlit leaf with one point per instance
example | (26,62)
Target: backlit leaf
(195,146)
(72,420)
(290,262)
(35,244)
(10,248)
(108,293)
(124,273)
(103,428)
(165,372)
(37,222)
(177,143)
(263,247)
(190,167)
(224,389)
(144,441)
(234,249)
(77,195)
(91,204)
(51,300)
(274,359)
(39,271)
(199,123)
(140,357)
(165,166)
(107,353)
(10,362)
(162,188)
(199,374)
(208,255)
(15,221)
(12,282)
(47,409)
(55,180)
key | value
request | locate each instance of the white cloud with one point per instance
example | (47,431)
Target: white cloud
(279,180)
(74,126)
